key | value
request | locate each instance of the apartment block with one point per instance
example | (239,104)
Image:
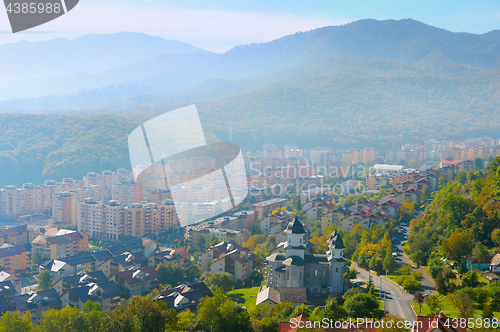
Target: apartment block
(112,220)
(54,243)
(265,208)
(14,259)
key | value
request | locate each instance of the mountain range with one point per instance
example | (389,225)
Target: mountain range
(367,83)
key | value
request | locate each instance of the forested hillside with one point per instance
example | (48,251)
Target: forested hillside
(464,219)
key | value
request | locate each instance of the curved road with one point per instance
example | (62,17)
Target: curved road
(396,300)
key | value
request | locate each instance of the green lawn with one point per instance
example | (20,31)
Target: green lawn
(244,296)
(448,309)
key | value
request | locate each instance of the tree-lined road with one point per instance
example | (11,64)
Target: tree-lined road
(396,301)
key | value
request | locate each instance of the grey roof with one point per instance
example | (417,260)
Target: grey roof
(4,305)
(278,257)
(281,268)
(92,292)
(127,259)
(295,227)
(46,298)
(122,247)
(335,241)
(315,258)
(70,237)
(102,255)
(85,278)
(85,257)
(7,288)
(294,261)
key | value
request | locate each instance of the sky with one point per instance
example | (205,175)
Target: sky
(221,25)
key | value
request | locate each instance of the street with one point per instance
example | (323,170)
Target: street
(396,301)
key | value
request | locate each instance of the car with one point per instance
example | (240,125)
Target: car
(406,237)
(395,254)
(425,295)
(393,238)
(402,224)
(262,263)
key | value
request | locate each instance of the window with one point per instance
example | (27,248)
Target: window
(316,273)
(324,274)
(337,269)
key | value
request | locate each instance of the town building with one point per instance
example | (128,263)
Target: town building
(58,243)
(315,273)
(138,281)
(14,259)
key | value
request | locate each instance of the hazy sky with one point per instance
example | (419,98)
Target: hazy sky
(220,25)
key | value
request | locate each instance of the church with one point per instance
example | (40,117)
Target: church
(307,273)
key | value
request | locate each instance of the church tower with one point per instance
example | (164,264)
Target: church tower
(336,245)
(295,245)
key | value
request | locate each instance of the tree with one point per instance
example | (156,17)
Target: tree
(478,164)
(12,322)
(65,320)
(390,263)
(418,298)
(464,303)
(334,311)
(302,309)
(461,177)
(487,311)
(361,305)
(495,236)
(406,211)
(255,229)
(44,280)
(480,252)
(199,242)
(141,314)
(224,281)
(353,273)
(433,302)
(440,284)
(457,246)
(37,258)
(185,319)
(221,314)
(172,274)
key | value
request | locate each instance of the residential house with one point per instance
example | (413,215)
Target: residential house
(495,264)
(73,265)
(178,256)
(236,262)
(14,236)
(365,218)
(438,323)
(7,289)
(266,207)
(472,261)
(82,279)
(270,296)
(4,305)
(36,303)
(106,293)
(16,281)
(128,260)
(184,297)
(60,243)
(14,259)
(144,245)
(212,253)
(138,281)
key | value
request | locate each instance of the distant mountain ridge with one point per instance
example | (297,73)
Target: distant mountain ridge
(362,48)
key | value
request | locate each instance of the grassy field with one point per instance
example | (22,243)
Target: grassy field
(448,309)
(244,296)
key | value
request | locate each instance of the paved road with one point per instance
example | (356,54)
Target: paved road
(428,285)
(396,301)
